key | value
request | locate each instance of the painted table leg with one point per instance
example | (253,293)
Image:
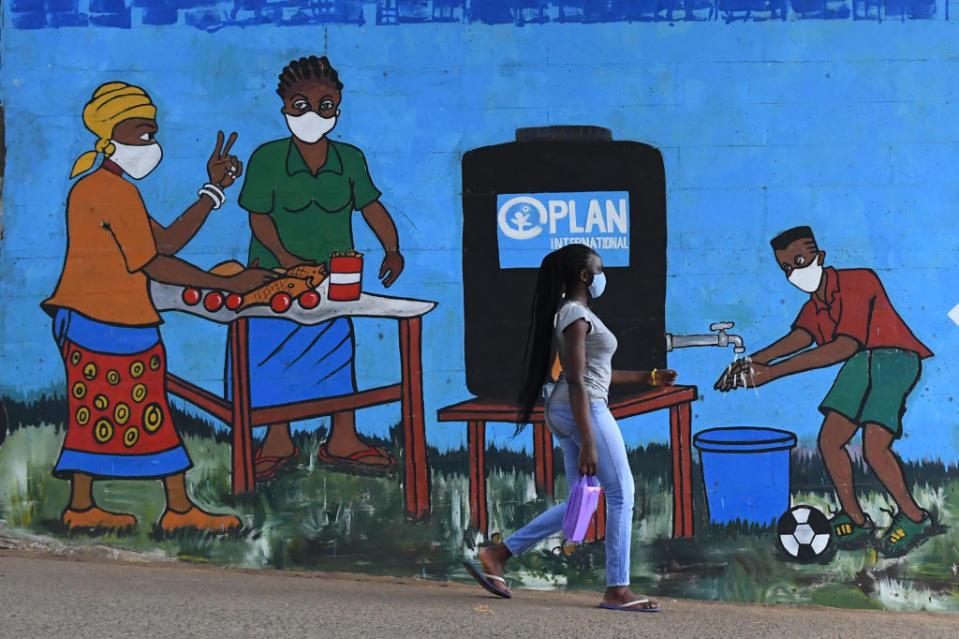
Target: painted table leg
(243,477)
(417,475)
(476,441)
(543,457)
(680,441)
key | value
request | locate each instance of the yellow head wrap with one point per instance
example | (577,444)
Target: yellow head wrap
(111,104)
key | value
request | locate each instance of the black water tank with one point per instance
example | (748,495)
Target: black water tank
(570,182)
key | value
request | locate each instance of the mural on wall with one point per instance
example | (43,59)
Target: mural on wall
(300,193)
(314,398)
(523,200)
(105,325)
(850,320)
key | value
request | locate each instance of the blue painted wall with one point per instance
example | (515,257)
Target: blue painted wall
(849,126)
(769,114)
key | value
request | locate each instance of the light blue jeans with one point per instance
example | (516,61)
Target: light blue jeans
(614,476)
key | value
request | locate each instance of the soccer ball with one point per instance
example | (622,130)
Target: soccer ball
(803,533)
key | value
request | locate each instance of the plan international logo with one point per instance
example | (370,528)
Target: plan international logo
(530,225)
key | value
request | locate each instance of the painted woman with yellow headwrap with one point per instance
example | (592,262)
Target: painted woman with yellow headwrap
(119,423)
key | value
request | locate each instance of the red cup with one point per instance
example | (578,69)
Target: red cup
(346,278)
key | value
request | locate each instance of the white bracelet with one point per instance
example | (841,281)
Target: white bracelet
(214,193)
(217,190)
(210,194)
(220,196)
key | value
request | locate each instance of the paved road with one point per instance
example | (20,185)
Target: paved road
(51,597)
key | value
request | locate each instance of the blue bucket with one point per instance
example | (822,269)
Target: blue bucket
(746,473)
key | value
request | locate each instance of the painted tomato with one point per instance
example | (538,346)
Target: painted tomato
(213,301)
(281,302)
(192,296)
(309,300)
(233,301)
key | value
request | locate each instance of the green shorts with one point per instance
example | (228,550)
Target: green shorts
(872,387)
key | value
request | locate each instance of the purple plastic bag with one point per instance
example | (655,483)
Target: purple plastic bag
(583,499)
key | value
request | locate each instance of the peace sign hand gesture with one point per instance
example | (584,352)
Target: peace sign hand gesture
(223,168)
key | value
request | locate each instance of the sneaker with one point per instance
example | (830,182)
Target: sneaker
(848,535)
(905,534)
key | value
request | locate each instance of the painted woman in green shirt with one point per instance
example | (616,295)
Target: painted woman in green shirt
(300,193)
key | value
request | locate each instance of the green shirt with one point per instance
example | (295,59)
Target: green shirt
(313,214)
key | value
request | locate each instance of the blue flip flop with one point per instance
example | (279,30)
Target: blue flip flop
(486,580)
(629,606)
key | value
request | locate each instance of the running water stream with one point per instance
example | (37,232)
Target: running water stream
(743,377)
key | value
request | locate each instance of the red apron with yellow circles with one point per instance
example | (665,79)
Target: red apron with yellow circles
(119,422)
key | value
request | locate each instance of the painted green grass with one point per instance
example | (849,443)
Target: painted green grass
(314,519)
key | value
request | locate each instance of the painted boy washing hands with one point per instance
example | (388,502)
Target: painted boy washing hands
(850,319)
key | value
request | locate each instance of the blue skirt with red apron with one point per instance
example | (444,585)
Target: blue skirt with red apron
(119,422)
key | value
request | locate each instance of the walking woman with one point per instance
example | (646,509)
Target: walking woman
(578,416)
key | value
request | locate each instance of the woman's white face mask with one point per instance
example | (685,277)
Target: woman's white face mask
(598,285)
(310,127)
(136,160)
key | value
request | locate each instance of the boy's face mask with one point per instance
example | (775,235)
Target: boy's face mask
(807,278)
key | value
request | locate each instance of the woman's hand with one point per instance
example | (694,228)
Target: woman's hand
(223,169)
(249,279)
(391,268)
(588,459)
(662,377)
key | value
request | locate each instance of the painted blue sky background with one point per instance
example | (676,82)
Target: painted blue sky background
(849,126)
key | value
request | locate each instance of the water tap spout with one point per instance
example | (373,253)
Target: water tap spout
(718,337)
(737,342)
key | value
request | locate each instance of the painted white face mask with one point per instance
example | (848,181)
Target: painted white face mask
(310,127)
(136,160)
(598,285)
(807,278)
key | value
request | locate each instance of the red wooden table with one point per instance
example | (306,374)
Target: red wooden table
(678,399)
(241,417)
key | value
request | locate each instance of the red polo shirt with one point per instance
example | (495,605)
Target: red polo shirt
(856,305)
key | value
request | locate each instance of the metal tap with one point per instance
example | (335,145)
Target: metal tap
(719,338)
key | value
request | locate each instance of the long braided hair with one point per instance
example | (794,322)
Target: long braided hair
(311,68)
(556,272)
